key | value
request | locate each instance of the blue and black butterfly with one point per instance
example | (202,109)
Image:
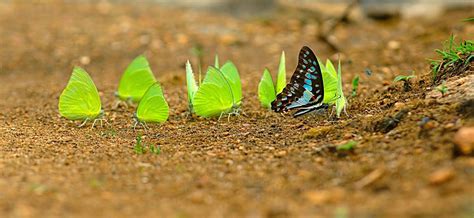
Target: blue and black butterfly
(305,91)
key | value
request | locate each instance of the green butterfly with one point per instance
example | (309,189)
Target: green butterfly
(333,92)
(267,92)
(191,83)
(80,99)
(135,81)
(220,92)
(341,102)
(153,107)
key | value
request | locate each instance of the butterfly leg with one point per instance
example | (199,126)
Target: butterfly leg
(145,126)
(106,122)
(135,125)
(220,116)
(93,123)
(83,123)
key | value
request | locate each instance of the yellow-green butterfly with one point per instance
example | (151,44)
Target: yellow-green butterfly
(333,93)
(191,83)
(135,81)
(153,107)
(267,91)
(220,92)
(80,99)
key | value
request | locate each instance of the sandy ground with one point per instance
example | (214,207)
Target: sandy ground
(259,164)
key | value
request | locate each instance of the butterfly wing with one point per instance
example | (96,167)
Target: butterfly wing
(305,89)
(232,76)
(214,96)
(281,76)
(341,102)
(153,107)
(136,80)
(80,99)
(191,85)
(330,82)
(266,90)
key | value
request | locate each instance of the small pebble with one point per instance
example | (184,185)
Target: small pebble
(399,105)
(85,60)
(281,153)
(441,176)
(464,142)
(393,45)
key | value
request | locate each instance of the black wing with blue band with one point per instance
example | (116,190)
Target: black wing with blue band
(305,91)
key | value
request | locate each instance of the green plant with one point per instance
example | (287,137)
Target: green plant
(442,88)
(350,145)
(471,19)
(452,53)
(406,81)
(154,149)
(355,85)
(142,148)
(139,148)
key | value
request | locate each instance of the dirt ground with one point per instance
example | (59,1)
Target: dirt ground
(259,164)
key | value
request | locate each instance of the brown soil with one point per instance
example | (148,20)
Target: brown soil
(258,164)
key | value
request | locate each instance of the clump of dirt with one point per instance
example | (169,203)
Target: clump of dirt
(456,61)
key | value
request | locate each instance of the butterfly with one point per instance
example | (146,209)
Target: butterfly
(220,92)
(80,99)
(267,91)
(135,81)
(305,91)
(191,85)
(153,107)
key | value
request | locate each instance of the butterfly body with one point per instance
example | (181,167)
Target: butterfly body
(305,91)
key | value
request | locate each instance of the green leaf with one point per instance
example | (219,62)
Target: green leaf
(471,19)
(266,90)
(350,145)
(403,78)
(281,76)
(442,88)
(154,149)
(139,148)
